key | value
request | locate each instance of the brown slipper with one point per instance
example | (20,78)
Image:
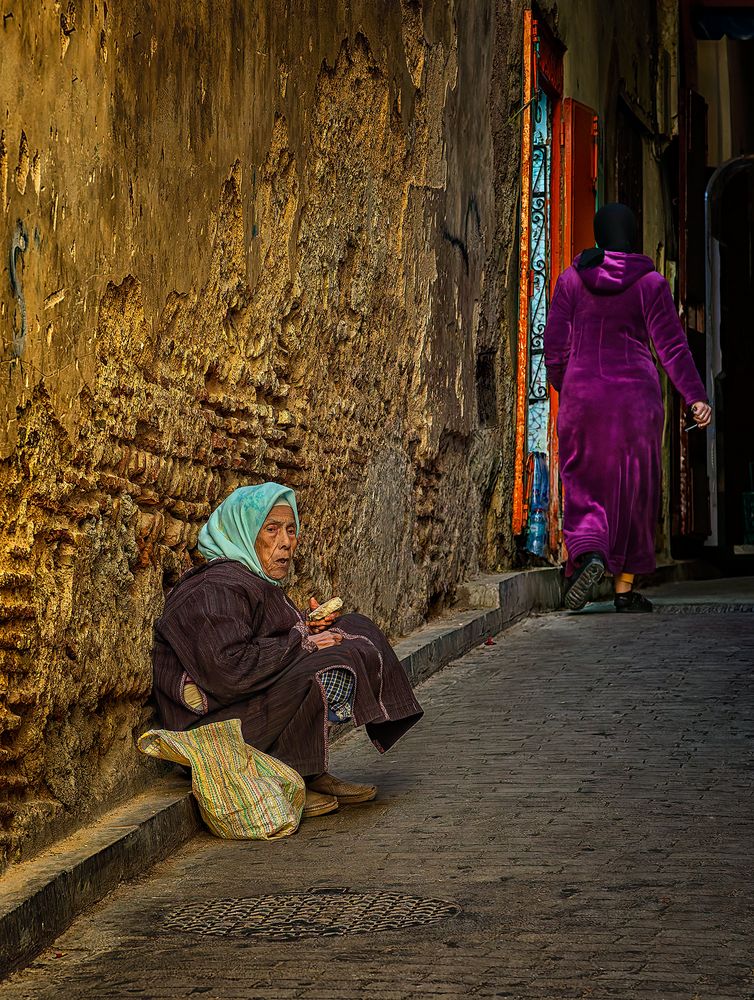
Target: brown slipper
(348,793)
(319,805)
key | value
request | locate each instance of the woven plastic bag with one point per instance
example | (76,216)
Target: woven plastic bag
(242,793)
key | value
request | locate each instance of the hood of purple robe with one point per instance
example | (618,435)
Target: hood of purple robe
(617,272)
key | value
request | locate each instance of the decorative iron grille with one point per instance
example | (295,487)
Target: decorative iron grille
(538,400)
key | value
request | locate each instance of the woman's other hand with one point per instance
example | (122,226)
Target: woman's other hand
(325,639)
(702,414)
(323,623)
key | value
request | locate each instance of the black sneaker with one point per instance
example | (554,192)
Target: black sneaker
(590,570)
(633,603)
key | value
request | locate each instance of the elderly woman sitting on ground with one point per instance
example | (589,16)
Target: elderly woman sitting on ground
(231,644)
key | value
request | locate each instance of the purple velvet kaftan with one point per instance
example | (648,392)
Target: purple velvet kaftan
(601,323)
(247,647)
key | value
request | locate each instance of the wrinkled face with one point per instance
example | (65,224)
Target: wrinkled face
(276,542)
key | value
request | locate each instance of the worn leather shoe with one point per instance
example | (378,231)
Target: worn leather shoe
(347,793)
(632,603)
(590,570)
(319,805)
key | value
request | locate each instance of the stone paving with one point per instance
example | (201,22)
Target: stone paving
(582,789)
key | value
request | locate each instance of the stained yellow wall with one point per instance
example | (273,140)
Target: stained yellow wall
(243,240)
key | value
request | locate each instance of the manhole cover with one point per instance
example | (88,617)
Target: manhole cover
(316,913)
(734,608)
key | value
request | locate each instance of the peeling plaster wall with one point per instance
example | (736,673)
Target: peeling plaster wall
(243,241)
(612,48)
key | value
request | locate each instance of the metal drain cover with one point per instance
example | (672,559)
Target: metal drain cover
(316,913)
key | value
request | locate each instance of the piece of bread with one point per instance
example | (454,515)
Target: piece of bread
(328,608)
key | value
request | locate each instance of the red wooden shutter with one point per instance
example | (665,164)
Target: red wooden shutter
(580,135)
(574,198)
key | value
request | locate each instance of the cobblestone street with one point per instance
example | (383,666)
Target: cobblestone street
(582,790)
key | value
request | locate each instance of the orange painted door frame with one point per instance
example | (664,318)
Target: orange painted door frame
(529,73)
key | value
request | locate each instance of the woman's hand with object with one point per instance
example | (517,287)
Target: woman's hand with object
(323,623)
(702,414)
(326,639)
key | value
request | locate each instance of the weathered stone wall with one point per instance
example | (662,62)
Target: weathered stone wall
(243,240)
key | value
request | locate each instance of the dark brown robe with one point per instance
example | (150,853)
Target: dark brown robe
(248,649)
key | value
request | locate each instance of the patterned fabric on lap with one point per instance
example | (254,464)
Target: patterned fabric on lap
(338,685)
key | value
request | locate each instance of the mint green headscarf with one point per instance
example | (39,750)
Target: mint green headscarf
(233,527)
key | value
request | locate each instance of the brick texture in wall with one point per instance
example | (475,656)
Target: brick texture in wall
(242,242)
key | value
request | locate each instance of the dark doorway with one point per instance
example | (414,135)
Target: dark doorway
(734,218)
(629,165)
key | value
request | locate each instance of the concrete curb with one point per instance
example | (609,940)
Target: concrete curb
(484,607)
(41,897)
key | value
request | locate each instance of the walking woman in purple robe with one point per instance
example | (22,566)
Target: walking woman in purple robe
(609,309)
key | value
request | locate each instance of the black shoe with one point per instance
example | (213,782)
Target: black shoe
(590,570)
(632,603)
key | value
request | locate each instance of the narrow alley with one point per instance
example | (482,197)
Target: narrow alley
(344,345)
(579,794)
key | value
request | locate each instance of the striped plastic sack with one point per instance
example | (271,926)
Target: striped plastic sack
(242,793)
